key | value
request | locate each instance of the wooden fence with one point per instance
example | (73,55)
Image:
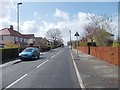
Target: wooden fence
(109,54)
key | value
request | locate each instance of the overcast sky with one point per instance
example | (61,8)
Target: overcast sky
(38,17)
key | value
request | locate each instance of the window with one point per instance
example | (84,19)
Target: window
(2,37)
(14,38)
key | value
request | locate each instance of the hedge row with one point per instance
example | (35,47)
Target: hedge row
(8,53)
(44,49)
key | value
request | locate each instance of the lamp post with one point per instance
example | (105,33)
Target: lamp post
(77,34)
(18,22)
(18,15)
(70,39)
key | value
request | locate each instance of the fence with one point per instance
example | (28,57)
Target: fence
(109,54)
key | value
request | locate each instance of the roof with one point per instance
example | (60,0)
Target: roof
(11,31)
(28,35)
(7,31)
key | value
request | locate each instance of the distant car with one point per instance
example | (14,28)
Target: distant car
(30,53)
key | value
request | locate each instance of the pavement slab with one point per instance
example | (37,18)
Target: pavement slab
(95,73)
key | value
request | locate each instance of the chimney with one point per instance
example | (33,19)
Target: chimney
(11,27)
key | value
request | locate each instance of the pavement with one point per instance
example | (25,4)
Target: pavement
(94,72)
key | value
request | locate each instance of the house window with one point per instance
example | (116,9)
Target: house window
(14,38)
(22,39)
(2,37)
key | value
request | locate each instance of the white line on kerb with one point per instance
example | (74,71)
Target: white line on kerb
(16,81)
(60,51)
(42,64)
(78,74)
(53,56)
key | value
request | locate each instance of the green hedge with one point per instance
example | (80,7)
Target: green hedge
(83,44)
(115,44)
(8,53)
(44,49)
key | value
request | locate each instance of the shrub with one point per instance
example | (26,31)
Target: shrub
(11,45)
(83,44)
(115,44)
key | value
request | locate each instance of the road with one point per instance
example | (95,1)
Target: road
(53,70)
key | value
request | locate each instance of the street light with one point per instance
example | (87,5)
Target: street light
(18,22)
(70,39)
(77,34)
(18,15)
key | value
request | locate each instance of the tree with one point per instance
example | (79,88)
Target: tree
(54,36)
(99,29)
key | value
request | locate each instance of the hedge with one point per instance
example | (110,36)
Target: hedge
(8,53)
(44,49)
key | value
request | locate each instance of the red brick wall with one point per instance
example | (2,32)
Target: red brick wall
(83,49)
(109,54)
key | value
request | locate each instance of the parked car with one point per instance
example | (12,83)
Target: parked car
(30,53)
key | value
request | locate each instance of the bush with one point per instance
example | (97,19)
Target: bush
(83,44)
(115,44)
(44,49)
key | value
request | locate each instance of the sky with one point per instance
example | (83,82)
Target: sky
(38,17)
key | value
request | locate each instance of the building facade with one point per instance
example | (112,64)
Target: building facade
(9,36)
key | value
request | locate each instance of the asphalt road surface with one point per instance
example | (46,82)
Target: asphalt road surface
(53,70)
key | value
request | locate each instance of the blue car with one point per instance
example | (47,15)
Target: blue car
(30,53)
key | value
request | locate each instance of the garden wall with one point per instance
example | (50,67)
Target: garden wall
(109,54)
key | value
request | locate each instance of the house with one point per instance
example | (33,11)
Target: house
(13,37)
(101,38)
(42,42)
(30,38)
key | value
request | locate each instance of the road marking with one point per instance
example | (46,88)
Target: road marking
(60,51)
(16,81)
(42,64)
(53,56)
(78,74)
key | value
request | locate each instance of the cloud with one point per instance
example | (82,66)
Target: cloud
(36,15)
(5,10)
(61,14)
(29,27)
(75,24)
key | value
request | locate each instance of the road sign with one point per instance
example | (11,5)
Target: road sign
(76,34)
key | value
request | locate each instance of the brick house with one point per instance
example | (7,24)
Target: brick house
(11,36)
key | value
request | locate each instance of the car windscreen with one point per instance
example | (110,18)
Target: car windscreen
(28,50)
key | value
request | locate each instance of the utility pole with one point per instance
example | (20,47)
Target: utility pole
(18,15)
(18,24)
(70,39)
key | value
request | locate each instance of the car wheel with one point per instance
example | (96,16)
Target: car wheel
(38,56)
(32,57)
(21,58)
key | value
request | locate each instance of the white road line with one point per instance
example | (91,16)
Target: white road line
(16,81)
(42,64)
(60,51)
(53,56)
(78,74)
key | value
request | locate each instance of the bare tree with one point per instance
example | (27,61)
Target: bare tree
(54,36)
(100,28)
